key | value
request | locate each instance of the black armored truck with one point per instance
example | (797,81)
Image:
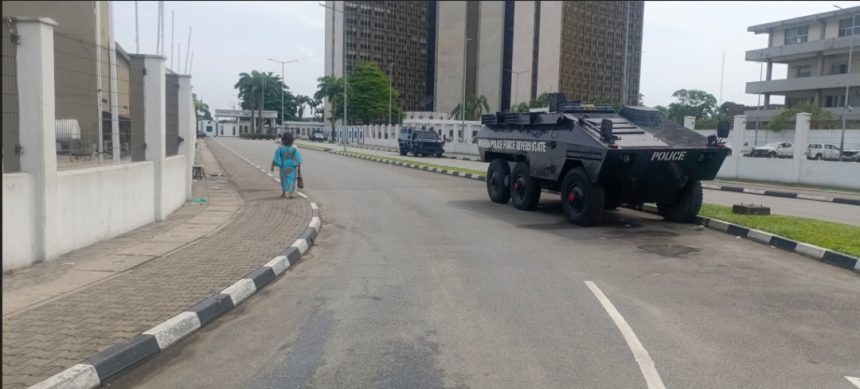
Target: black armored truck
(598,159)
(420,142)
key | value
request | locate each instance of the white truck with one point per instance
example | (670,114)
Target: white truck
(774,150)
(819,151)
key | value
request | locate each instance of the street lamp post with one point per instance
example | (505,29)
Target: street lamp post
(283,80)
(516,82)
(463,102)
(390,89)
(846,107)
(345,79)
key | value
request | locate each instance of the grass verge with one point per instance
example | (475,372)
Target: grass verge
(843,238)
(403,161)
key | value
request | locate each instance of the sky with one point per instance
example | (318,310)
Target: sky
(683,43)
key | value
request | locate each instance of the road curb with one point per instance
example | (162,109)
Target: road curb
(827,256)
(782,194)
(94,371)
(808,250)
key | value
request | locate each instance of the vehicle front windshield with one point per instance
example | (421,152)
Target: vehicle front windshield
(426,135)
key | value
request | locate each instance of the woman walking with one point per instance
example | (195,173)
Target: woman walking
(288,159)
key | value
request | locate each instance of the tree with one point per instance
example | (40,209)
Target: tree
(369,93)
(314,105)
(301,102)
(258,88)
(692,102)
(331,89)
(819,118)
(474,108)
(201,109)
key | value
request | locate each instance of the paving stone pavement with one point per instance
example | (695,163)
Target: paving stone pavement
(44,340)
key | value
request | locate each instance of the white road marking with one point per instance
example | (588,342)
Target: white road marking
(646,364)
(853,380)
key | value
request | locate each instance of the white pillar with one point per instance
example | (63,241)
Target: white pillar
(690,122)
(114,104)
(187,127)
(736,138)
(155,114)
(36,102)
(801,140)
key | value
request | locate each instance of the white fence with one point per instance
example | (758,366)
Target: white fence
(47,212)
(459,138)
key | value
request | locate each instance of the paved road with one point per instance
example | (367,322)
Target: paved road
(840,213)
(418,281)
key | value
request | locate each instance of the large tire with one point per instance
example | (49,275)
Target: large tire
(403,152)
(771,154)
(581,201)
(687,206)
(525,191)
(498,175)
(818,157)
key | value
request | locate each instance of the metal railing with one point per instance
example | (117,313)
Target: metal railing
(11,146)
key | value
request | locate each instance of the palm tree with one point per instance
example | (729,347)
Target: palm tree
(314,105)
(252,88)
(330,88)
(201,109)
(474,108)
(301,101)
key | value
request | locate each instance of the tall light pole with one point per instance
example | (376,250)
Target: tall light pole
(283,80)
(345,77)
(463,102)
(390,89)
(517,82)
(846,107)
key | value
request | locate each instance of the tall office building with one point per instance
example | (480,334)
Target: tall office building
(397,35)
(516,50)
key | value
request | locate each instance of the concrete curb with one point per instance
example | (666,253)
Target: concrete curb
(786,195)
(395,150)
(94,371)
(825,255)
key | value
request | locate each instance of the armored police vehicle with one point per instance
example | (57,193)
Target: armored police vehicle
(598,159)
(420,142)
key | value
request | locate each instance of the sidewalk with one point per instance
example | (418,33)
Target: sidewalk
(58,314)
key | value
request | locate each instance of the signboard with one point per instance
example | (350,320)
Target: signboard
(244,113)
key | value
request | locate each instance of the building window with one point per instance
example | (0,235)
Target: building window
(841,68)
(796,35)
(846,29)
(803,71)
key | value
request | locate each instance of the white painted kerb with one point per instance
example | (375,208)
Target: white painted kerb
(174,329)
(77,377)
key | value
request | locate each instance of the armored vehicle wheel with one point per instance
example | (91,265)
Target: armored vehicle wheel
(416,153)
(403,152)
(498,175)
(439,155)
(687,206)
(525,192)
(581,201)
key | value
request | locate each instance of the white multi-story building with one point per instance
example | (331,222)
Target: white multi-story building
(815,49)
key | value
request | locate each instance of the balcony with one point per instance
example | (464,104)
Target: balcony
(766,115)
(801,50)
(800,84)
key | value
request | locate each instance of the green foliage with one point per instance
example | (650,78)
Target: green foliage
(819,118)
(331,89)
(692,102)
(201,109)
(834,236)
(369,93)
(541,102)
(258,88)
(474,108)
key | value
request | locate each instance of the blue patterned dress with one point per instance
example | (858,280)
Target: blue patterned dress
(288,159)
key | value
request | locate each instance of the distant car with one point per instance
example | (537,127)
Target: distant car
(318,136)
(420,142)
(852,155)
(774,150)
(819,151)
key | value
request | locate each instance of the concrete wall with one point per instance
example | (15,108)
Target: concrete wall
(101,202)
(490,50)
(451,30)
(18,228)
(549,63)
(524,13)
(173,188)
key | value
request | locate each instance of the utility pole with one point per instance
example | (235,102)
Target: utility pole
(390,89)
(463,102)
(722,72)
(283,80)
(847,108)
(624,83)
(516,82)
(136,31)
(172,34)
(345,77)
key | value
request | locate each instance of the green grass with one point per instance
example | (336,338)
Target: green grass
(404,161)
(782,184)
(843,238)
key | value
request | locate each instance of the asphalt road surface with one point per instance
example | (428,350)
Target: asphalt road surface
(419,281)
(840,213)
